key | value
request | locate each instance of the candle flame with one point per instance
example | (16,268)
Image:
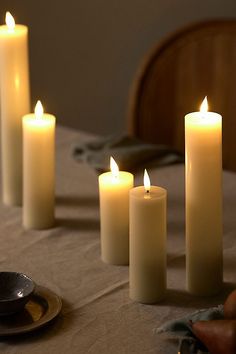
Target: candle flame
(204,106)
(146,181)
(114,168)
(10,22)
(38,110)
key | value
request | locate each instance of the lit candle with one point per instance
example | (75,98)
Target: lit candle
(114,189)
(15,102)
(147,242)
(203,201)
(38,163)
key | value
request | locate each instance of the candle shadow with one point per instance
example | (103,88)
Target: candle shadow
(177,261)
(229,263)
(78,224)
(71,201)
(181,298)
(176,226)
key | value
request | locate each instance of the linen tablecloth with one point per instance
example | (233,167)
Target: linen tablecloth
(97,315)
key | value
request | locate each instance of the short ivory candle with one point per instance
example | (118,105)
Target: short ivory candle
(39,174)
(114,189)
(203,202)
(147,243)
(15,102)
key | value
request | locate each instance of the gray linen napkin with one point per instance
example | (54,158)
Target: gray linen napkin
(129,152)
(181,329)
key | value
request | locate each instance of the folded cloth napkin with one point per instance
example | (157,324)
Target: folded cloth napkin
(181,329)
(129,152)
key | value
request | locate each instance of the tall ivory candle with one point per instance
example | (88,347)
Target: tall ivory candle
(114,189)
(39,174)
(203,201)
(15,102)
(147,242)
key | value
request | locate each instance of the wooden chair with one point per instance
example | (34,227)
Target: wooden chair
(174,78)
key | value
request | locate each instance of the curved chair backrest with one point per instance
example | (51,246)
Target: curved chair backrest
(176,75)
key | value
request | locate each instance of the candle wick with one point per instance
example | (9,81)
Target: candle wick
(115,178)
(147,194)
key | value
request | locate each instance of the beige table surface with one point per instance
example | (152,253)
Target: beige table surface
(97,314)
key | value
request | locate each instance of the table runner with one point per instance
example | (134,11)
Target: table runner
(97,315)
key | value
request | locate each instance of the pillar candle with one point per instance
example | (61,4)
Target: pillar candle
(203,201)
(114,189)
(147,243)
(38,163)
(15,102)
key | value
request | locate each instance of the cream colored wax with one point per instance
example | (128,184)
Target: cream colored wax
(114,189)
(15,102)
(39,174)
(203,202)
(147,244)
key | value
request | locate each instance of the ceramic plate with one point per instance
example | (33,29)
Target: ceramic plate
(41,309)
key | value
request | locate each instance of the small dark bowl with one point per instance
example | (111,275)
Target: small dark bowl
(15,291)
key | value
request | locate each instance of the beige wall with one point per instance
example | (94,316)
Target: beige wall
(83,54)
